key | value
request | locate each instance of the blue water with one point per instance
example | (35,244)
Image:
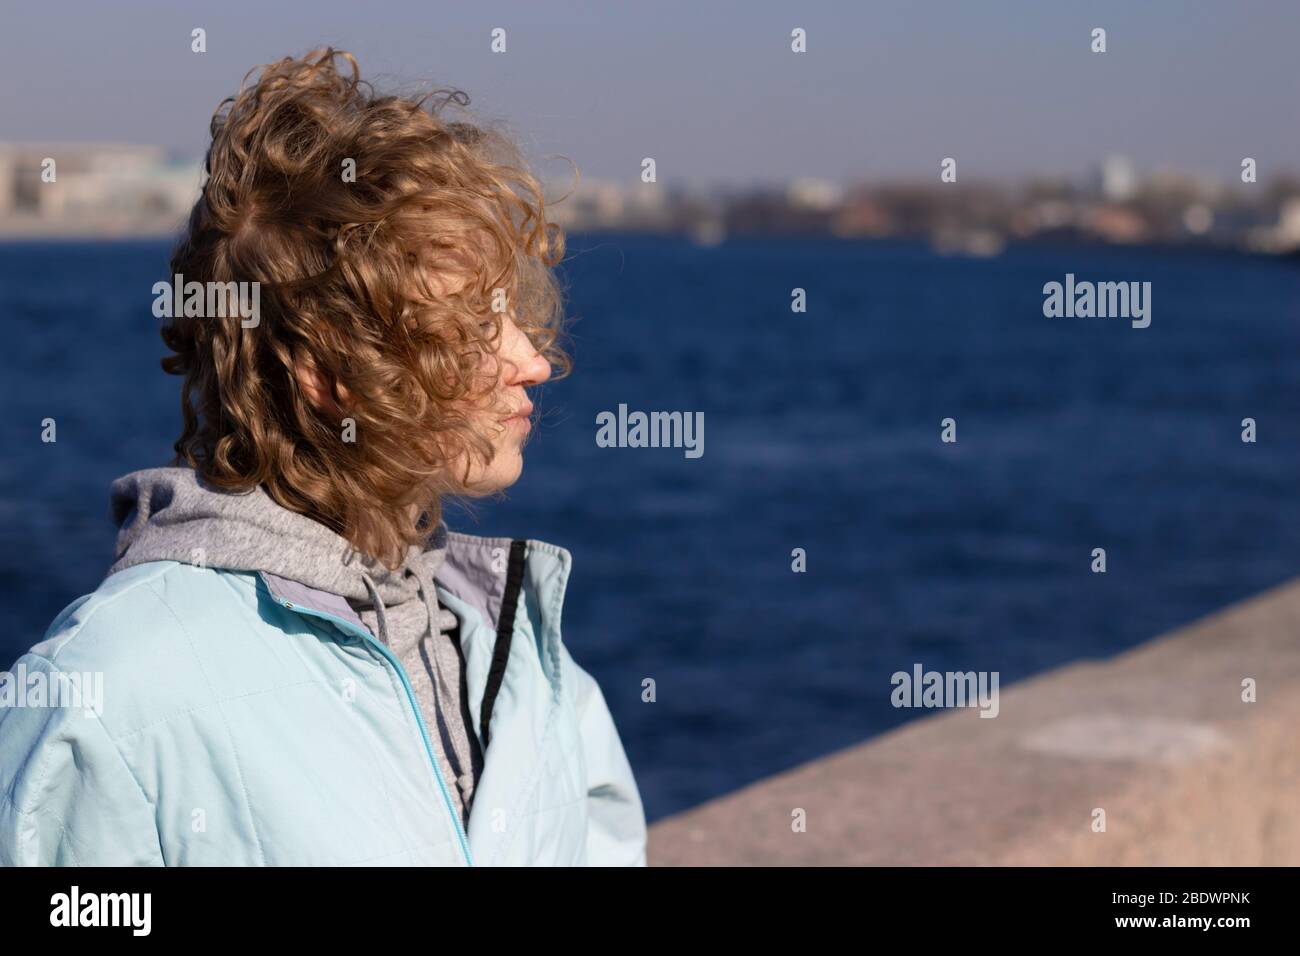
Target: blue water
(822,432)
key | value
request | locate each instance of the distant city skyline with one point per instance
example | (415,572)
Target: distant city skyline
(713,91)
(105,189)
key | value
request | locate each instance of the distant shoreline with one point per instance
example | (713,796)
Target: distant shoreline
(160,233)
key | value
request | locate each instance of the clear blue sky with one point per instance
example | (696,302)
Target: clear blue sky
(711,90)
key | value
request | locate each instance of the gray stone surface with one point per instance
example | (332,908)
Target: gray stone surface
(1158,737)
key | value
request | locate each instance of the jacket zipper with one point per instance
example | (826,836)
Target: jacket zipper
(410,697)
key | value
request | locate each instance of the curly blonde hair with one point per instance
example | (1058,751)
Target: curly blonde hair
(345,266)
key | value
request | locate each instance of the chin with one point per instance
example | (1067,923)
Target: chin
(504,471)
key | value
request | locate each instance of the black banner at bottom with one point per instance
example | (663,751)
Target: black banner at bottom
(335,906)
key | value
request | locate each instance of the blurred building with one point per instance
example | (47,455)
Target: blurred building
(1116,178)
(93,189)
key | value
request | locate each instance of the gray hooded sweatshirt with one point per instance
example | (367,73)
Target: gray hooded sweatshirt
(168,514)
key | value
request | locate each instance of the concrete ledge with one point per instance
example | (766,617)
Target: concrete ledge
(1158,737)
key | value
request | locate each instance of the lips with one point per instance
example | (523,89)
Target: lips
(523,413)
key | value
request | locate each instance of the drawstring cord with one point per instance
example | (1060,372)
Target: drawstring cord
(378,604)
(439,621)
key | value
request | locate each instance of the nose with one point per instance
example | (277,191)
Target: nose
(524,365)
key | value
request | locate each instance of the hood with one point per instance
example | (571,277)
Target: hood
(170,514)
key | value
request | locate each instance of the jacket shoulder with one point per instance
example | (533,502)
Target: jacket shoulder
(125,620)
(147,637)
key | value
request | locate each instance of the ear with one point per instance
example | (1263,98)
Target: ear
(317,388)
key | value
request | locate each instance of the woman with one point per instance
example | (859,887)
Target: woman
(300,664)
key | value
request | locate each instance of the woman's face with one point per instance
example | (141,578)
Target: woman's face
(505,420)
(503,416)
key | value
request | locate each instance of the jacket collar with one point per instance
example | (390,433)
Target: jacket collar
(296,595)
(474,572)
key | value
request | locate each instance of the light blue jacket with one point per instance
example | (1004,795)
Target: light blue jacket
(249,720)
